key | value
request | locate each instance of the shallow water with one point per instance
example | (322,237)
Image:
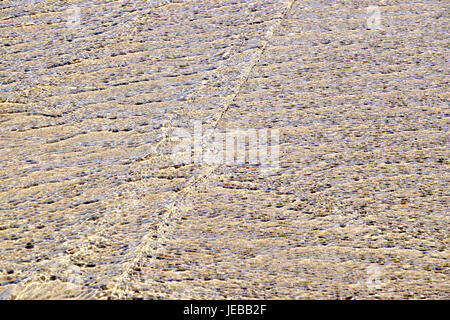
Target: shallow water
(94,205)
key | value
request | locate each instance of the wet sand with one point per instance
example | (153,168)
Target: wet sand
(93,205)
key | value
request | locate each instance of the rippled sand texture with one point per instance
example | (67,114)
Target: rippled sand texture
(93,206)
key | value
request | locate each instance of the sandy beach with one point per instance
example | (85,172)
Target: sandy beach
(225,149)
